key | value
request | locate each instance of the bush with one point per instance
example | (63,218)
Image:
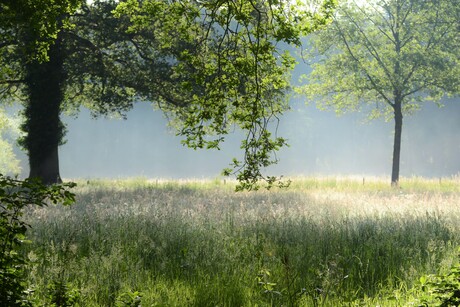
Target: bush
(15,195)
(441,290)
(62,294)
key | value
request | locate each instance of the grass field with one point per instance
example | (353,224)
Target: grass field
(322,242)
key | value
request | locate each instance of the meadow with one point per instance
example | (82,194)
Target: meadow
(321,242)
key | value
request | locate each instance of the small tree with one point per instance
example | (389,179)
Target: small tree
(393,54)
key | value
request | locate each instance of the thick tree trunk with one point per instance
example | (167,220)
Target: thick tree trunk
(44,130)
(397,144)
(46,168)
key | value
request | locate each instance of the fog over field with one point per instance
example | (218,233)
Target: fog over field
(321,144)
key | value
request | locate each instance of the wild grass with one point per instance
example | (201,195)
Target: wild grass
(323,242)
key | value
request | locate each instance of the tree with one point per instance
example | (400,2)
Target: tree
(9,164)
(209,64)
(236,74)
(394,54)
(30,29)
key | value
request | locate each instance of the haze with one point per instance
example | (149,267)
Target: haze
(321,144)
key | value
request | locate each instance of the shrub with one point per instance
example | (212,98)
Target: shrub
(441,290)
(62,294)
(129,299)
(15,195)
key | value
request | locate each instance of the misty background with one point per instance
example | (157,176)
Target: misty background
(321,144)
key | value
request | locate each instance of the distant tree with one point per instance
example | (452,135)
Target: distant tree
(9,163)
(391,54)
(209,64)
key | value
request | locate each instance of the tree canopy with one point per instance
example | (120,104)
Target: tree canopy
(42,17)
(387,56)
(230,67)
(211,65)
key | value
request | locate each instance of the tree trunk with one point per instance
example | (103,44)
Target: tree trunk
(397,144)
(46,168)
(43,127)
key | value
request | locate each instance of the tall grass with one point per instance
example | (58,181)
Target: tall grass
(323,242)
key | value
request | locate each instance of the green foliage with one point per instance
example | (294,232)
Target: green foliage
(383,53)
(129,299)
(9,164)
(212,66)
(229,70)
(61,294)
(15,196)
(42,18)
(441,290)
(268,288)
(386,58)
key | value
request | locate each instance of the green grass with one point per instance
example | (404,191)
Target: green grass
(323,242)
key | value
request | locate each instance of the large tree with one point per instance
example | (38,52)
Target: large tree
(28,36)
(235,74)
(210,64)
(387,57)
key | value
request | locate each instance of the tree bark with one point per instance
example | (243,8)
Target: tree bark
(46,169)
(43,127)
(397,144)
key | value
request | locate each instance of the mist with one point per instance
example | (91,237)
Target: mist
(321,144)
(351,144)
